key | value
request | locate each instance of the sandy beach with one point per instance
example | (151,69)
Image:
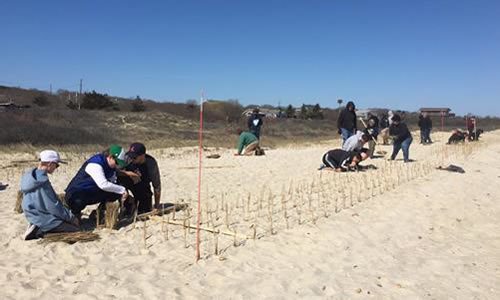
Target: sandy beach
(394,231)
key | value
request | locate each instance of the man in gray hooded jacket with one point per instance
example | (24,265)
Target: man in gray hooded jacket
(44,212)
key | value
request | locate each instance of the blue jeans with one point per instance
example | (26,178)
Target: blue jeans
(405,145)
(345,133)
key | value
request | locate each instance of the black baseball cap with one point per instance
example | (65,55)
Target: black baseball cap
(136,149)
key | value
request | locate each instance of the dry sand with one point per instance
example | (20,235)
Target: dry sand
(429,235)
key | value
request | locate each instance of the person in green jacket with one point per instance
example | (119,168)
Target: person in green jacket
(247,143)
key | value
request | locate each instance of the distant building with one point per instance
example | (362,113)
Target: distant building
(363,113)
(438,112)
(265,112)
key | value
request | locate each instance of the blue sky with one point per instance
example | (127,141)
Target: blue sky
(395,54)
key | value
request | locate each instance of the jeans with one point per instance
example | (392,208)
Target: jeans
(405,145)
(345,133)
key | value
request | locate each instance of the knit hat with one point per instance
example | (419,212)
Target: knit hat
(118,154)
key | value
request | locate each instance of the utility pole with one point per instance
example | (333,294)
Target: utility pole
(79,95)
(51,88)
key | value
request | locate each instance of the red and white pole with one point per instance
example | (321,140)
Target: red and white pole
(200,155)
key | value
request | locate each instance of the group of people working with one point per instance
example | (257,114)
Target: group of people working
(106,176)
(353,151)
(113,173)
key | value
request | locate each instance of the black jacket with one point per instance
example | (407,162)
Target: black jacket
(372,126)
(425,122)
(347,118)
(254,127)
(400,132)
(337,158)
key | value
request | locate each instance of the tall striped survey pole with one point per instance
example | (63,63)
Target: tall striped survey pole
(200,155)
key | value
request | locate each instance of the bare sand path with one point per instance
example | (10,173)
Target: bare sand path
(434,237)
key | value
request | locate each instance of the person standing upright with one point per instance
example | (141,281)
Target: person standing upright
(346,123)
(255,123)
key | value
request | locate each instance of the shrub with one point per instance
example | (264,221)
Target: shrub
(41,100)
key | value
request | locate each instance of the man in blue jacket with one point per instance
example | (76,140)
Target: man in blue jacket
(41,206)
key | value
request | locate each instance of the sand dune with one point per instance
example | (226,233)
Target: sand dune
(431,234)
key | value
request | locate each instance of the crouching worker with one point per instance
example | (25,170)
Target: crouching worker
(41,206)
(402,138)
(95,182)
(457,136)
(340,161)
(141,172)
(247,143)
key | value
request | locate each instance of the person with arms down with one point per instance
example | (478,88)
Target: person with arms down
(401,138)
(346,123)
(95,181)
(41,206)
(255,123)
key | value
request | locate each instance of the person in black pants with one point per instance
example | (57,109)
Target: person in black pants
(425,125)
(255,123)
(142,172)
(339,160)
(346,123)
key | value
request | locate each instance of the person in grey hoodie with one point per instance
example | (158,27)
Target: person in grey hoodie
(44,212)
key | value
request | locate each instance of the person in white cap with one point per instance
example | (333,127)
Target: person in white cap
(41,206)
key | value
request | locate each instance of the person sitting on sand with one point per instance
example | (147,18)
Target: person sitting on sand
(457,136)
(139,175)
(95,182)
(401,138)
(41,206)
(247,143)
(339,160)
(356,142)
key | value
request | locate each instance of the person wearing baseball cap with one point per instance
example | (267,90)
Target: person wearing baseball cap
(41,206)
(95,181)
(140,174)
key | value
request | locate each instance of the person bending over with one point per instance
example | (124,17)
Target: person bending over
(401,138)
(139,175)
(95,182)
(247,143)
(339,160)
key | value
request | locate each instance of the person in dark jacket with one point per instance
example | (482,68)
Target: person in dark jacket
(140,174)
(425,125)
(401,138)
(41,206)
(95,182)
(339,160)
(384,129)
(372,124)
(346,123)
(255,123)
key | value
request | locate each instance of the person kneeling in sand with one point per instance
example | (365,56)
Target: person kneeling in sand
(356,142)
(95,182)
(340,161)
(41,206)
(247,143)
(140,174)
